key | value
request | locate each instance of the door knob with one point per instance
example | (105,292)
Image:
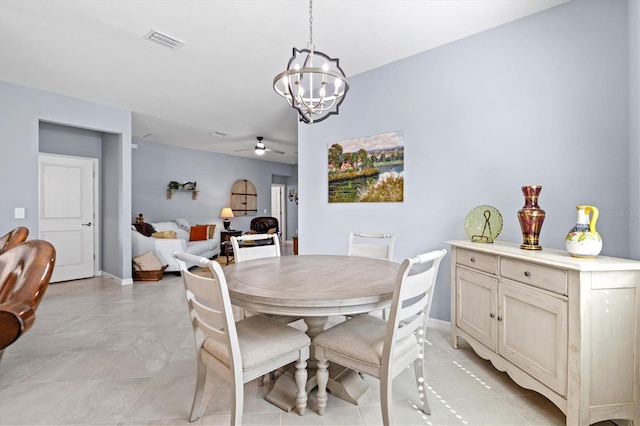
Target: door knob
(86,224)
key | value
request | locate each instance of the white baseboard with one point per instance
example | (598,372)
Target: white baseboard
(439,324)
(121,281)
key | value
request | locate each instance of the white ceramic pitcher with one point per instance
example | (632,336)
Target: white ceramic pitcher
(583,240)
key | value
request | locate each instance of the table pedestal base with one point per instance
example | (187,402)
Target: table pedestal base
(344,383)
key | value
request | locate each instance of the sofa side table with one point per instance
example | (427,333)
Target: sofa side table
(226,249)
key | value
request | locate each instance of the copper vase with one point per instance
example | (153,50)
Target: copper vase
(531,218)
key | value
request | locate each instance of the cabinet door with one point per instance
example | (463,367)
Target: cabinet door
(476,306)
(533,333)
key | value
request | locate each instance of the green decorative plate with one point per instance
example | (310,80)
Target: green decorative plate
(483,224)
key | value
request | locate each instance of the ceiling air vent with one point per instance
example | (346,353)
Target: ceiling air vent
(164,39)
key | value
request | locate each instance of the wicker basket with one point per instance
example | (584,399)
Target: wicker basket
(149,275)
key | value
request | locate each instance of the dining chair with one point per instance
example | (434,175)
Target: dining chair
(383,349)
(255,246)
(237,351)
(25,271)
(14,237)
(374,245)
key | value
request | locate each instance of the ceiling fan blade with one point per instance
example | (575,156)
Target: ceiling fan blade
(246,149)
(275,150)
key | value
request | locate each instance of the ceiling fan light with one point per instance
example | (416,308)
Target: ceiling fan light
(260,149)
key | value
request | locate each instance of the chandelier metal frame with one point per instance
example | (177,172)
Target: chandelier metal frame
(306,86)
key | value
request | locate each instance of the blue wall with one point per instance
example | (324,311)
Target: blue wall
(23,111)
(543,100)
(155,165)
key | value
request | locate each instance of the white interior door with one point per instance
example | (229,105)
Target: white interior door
(67,213)
(277,208)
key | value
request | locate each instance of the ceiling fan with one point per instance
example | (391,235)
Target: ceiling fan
(260,148)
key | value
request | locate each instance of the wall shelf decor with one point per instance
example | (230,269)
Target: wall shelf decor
(244,198)
(194,193)
(175,186)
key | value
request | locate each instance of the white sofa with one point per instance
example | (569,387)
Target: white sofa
(163,247)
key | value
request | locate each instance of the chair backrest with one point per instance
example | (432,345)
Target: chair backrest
(255,246)
(377,246)
(211,313)
(13,238)
(412,297)
(263,224)
(25,271)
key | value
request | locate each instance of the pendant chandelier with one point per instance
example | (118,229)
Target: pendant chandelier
(313,82)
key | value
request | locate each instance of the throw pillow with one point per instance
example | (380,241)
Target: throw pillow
(211,228)
(148,261)
(145,229)
(183,224)
(164,234)
(199,233)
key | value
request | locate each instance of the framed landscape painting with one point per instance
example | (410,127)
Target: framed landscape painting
(367,169)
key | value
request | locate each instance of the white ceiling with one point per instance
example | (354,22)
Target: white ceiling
(221,79)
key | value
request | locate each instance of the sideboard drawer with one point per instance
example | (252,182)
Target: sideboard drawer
(480,261)
(544,277)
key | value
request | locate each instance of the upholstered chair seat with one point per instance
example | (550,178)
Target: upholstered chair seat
(363,338)
(256,337)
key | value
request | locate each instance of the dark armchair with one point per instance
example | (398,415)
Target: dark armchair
(13,238)
(264,224)
(25,271)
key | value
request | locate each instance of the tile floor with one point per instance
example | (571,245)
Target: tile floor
(104,354)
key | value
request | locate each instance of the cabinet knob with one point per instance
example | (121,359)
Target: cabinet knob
(492,315)
(499,318)
(527,273)
(473,259)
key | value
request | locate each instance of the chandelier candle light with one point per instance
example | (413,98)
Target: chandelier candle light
(315,90)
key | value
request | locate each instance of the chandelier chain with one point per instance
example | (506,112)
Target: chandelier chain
(311,25)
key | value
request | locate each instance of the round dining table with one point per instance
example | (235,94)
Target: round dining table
(313,287)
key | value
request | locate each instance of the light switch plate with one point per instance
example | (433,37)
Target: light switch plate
(19,213)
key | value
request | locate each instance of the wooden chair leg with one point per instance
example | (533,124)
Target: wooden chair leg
(418,366)
(385,399)
(237,401)
(322,376)
(197,407)
(301,383)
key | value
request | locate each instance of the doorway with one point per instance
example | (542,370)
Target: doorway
(68,206)
(278,208)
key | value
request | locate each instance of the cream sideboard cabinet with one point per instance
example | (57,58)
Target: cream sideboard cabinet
(565,327)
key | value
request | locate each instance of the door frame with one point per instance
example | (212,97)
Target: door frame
(96,204)
(281,215)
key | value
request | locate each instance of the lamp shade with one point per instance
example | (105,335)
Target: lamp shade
(226,212)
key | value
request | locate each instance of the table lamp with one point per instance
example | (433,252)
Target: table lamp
(226,213)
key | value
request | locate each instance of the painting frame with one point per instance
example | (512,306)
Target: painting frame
(366,169)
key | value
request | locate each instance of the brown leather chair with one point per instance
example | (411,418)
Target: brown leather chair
(13,238)
(262,225)
(25,271)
